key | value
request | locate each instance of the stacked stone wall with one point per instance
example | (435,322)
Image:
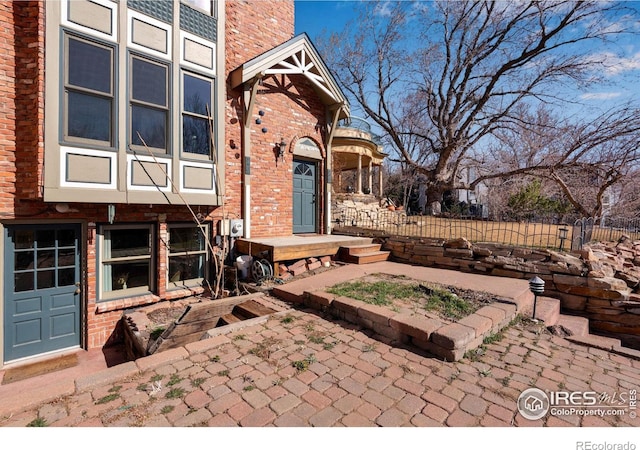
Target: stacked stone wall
(600,282)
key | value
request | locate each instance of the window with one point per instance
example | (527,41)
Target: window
(206,6)
(89,92)
(196,110)
(126,260)
(188,254)
(149,91)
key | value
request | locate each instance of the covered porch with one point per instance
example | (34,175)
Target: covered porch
(357,156)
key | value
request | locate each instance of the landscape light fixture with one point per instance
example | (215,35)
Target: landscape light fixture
(536,285)
(563,233)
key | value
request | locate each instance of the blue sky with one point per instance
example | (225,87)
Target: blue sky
(312,16)
(316,17)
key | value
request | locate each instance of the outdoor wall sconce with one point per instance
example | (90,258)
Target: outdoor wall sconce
(563,233)
(232,144)
(536,285)
(280,147)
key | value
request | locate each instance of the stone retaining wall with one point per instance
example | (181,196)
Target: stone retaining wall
(600,282)
(449,341)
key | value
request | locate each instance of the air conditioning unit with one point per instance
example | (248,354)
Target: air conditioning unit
(232,227)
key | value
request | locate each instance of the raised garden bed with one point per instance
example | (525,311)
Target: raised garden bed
(408,320)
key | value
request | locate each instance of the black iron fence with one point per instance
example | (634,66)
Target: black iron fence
(539,233)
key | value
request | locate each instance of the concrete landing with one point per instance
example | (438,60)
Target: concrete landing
(512,289)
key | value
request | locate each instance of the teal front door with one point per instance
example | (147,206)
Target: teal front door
(304,197)
(41,289)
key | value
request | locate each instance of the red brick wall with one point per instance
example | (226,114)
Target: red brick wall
(29,20)
(292,110)
(252,28)
(7,108)
(22,105)
(21,169)
(289,114)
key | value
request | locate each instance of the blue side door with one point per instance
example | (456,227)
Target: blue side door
(304,197)
(41,289)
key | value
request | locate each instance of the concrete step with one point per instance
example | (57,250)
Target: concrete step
(579,326)
(601,342)
(547,310)
(367,258)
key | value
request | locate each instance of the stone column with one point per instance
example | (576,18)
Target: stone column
(380,180)
(359,184)
(370,176)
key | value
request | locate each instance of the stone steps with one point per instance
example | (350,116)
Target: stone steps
(579,326)
(548,311)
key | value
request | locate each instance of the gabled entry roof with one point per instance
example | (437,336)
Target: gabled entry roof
(297,56)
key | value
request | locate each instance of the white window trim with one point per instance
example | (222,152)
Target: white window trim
(211,13)
(210,165)
(113,37)
(188,64)
(88,152)
(151,21)
(135,187)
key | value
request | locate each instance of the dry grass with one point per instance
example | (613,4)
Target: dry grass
(526,234)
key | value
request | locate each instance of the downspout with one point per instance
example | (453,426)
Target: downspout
(249,100)
(335,110)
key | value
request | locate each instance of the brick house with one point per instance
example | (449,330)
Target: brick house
(129,131)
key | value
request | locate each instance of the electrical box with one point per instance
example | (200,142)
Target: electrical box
(232,227)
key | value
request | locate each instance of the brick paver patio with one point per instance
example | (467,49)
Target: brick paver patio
(305,370)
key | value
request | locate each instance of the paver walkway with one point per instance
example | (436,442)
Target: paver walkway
(305,370)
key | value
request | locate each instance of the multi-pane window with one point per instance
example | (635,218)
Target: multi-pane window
(196,115)
(187,254)
(89,92)
(149,92)
(44,258)
(126,260)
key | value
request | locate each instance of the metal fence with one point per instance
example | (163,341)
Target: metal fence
(539,233)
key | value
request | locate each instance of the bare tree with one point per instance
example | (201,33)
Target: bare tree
(584,159)
(476,64)
(625,197)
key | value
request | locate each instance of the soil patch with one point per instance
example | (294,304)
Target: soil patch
(406,295)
